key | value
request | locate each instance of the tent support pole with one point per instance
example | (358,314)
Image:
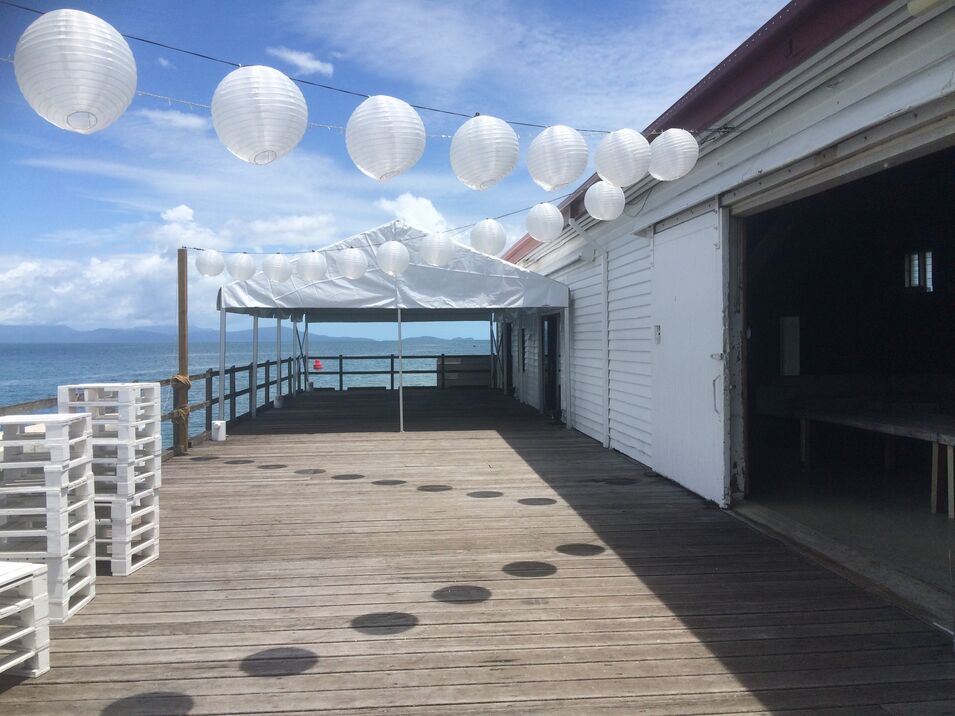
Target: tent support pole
(278,363)
(254,387)
(222,363)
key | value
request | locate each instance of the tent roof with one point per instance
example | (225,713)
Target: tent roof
(469,288)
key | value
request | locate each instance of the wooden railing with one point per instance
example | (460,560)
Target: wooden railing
(295,378)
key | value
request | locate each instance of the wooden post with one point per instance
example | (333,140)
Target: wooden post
(222,327)
(254,385)
(232,393)
(251,395)
(391,371)
(278,363)
(267,381)
(341,372)
(209,375)
(181,392)
(441,372)
(291,388)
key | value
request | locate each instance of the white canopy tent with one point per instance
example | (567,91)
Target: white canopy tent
(471,288)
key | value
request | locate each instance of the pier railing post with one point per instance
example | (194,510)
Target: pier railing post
(232,393)
(341,372)
(209,375)
(268,379)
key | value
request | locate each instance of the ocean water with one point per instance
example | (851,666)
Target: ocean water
(34,370)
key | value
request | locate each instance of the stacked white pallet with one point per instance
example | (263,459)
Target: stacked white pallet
(127,447)
(46,504)
(24,619)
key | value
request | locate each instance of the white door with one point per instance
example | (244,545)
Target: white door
(687,396)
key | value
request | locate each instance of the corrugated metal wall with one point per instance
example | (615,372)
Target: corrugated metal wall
(631,338)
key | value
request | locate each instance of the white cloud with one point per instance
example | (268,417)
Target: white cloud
(174,119)
(609,68)
(125,290)
(305,63)
(314,230)
(416,211)
(178,215)
(165,64)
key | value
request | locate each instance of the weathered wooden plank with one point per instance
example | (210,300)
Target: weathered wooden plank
(684,611)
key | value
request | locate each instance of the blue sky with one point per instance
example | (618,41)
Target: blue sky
(91,223)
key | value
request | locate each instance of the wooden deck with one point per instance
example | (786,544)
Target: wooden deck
(487,561)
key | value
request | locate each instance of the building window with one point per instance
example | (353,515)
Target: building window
(918,271)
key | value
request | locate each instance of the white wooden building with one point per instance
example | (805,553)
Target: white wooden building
(653,350)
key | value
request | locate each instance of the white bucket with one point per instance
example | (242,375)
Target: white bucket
(218,431)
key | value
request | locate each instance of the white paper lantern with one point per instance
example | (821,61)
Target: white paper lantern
(277,267)
(259,114)
(604,201)
(488,237)
(210,263)
(556,157)
(437,250)
(384,137)
(352,263)
(545,222)
(393,257)
(75,70)
(241,267)
(673,154)
(622,157)
(311,267)
(484,150)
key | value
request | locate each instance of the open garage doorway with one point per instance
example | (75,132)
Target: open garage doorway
(849,370)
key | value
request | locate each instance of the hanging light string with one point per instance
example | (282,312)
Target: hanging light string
(417,237)
(342,90)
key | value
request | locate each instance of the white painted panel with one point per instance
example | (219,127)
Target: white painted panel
(687,400)
(527,377)
(587,362)
(631,357)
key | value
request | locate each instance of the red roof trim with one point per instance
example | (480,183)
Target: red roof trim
(791,36)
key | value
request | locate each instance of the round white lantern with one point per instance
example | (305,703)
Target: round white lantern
(488,237)
(545,222)
(484,150)
(384,137)
(75,70)
(622,157)
(604,201)
(437,250)
(241,267)
(277,267)
(311,267)
(259,114)
(673,154)
(210,263)
(556,157)
(393,257)
(352,263)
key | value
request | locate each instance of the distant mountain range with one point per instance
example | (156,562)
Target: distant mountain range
(163,334)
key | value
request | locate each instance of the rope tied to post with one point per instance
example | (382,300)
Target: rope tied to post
(181,381)
(181,415)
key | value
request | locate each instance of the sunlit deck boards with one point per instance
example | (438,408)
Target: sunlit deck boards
(266,592)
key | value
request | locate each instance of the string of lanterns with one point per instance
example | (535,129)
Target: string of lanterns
(78,73)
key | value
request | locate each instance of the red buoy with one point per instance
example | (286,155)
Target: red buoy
(317,365)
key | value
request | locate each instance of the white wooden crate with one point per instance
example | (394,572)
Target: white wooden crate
(24,619)
(107,394)
(123,510)
(119,431)
(123,560)
(113,452)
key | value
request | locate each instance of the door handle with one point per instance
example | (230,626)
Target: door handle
(716,408)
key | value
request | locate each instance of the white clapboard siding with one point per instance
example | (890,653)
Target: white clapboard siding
(631,338)
(587,359)
(526,358)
